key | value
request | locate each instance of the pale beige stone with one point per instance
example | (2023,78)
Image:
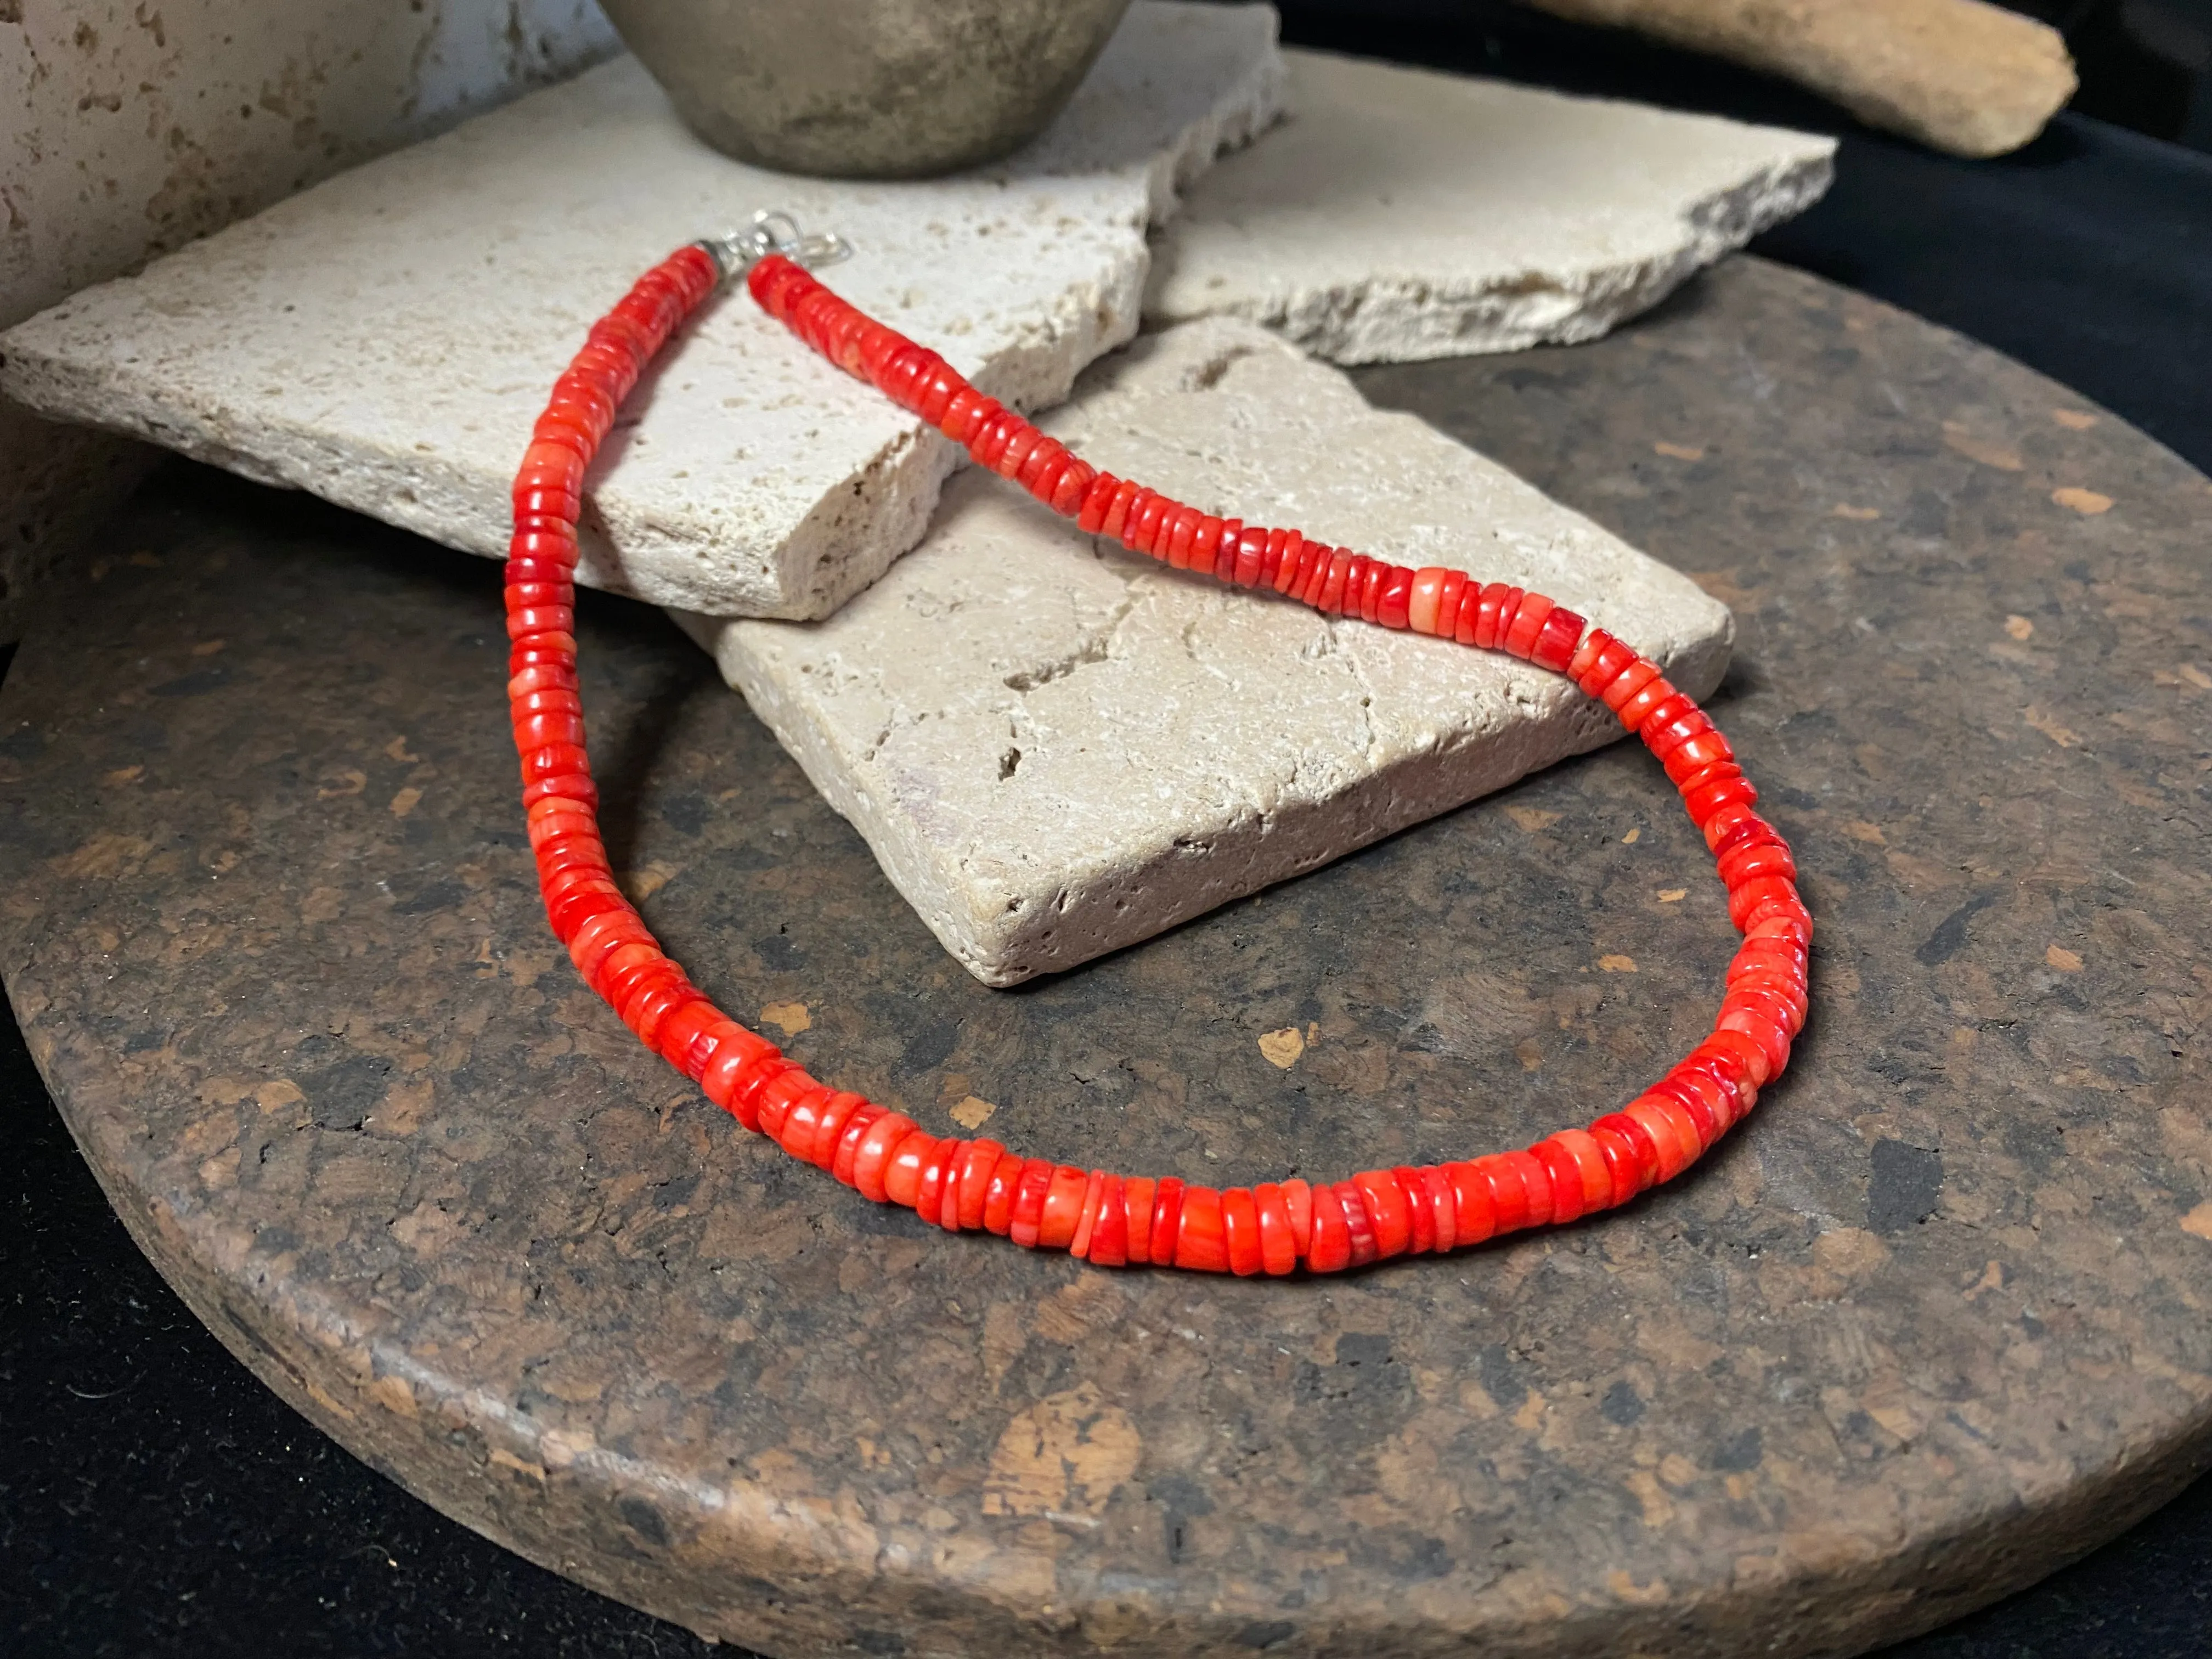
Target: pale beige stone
(126,130)
(1398,214)
(1056,748)
(385,339)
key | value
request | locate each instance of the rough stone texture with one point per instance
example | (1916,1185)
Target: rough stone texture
(1057,748)
(385,339)
(127,129)
(1930,1322)
(1400,215)
(1963,75)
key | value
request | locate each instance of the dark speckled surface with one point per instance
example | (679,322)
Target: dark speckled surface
(1933,1322)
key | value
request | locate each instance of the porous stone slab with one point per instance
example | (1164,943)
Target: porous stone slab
(1400,215)
(1057,748)
(385,339)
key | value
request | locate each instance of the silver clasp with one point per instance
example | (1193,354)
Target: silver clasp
(771,232)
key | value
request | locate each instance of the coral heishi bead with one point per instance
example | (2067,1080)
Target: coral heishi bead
(1107,1219)
(1425,600)
(1201,1235)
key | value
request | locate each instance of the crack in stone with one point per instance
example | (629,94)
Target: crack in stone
(1369,742)
(1211,370)
(1097,648)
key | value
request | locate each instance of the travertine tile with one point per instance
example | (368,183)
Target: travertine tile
(1057,748)
(1400,215)
(385,339)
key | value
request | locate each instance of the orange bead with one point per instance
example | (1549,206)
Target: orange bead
(1557,640)
(1628,682)
(1448,603)
(1388,1212)
(1240,1232)
(1563,1178)
(1394,597)
(1474,1217)
(1587,654)
(1072,489)
(1254,548)
(1633,710)
(1358,1226)
(1728,1071)
(1278,1240)
(1296,575)
(1023,442)
(1469,614)
(998,1196)
(1146,515)
(1443,1209)
(1028,1201)
(751,1084)
(1297,1199)
(945,1212)
(1118,510)
(1330,1250)
(1536,1181)
(972,1187)
(1508,1194)
(1062,1214)
(1624,1158)
(903,1176)
(936,1176)
(1529,620)
(1750,1056)
(1719,1103)
(1421,1220)
(1427,595)
(1137,1202)
(1366,603)
(1596,1174)
(1331,597)
(1093,1195)
(1766,1026)
(872,1158)
(836,1112)
(737,1050)
(1607,663)
(1671,1132)
(1176,551)
(961,411)
(1107,1244)
(1167,1221)
(776,1100)
(1497,605)
(1202,1241)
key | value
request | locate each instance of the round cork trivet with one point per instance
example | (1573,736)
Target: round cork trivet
(1933,1320)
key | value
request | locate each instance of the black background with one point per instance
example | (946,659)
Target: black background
(155,1500)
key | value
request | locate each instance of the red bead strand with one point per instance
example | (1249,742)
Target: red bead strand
(1107,1219)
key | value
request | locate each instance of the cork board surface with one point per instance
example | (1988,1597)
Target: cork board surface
(1933,1321)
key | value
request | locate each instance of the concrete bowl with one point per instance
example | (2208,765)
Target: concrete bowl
(866,88)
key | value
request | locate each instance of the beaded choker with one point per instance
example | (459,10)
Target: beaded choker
(965,1185)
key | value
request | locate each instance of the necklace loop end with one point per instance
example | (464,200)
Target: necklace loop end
(771,231)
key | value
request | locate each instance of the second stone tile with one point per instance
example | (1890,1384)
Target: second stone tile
(1057,748)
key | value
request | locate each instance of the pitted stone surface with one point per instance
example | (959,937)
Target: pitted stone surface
(1928,1323)
(1057,748)
(1400,215)
(385,339)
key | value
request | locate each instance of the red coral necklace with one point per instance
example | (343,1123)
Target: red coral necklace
(1114,1220)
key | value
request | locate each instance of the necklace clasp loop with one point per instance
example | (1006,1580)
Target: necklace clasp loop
(771,231)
